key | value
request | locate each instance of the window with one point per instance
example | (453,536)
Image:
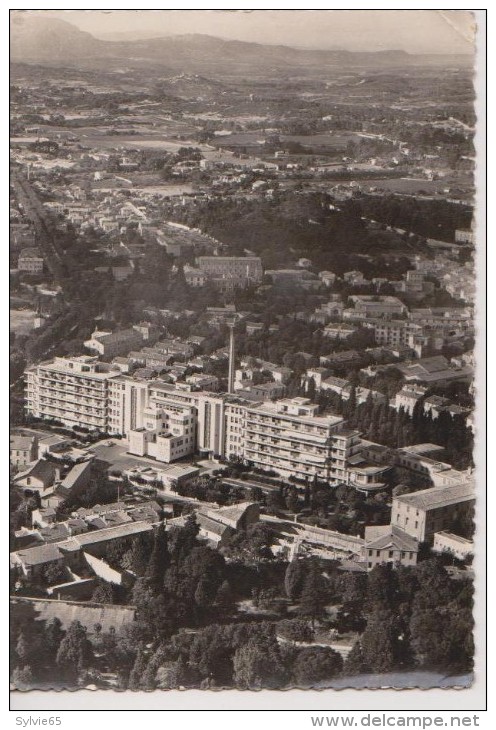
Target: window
(378,553)
(370,553)
(391,553)
(416,524)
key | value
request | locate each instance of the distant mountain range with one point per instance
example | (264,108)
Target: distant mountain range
(49,40)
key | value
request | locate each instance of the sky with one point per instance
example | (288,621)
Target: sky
(415,31)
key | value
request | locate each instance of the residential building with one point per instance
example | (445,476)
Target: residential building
(432,370)
(289,437)
(111,344)
(465,236)
(408,397)
(355,278)
(437,509)
(435,404)
(327,277)
(447,542)
(33,561)
(73,391)
(31,261)
(224,271)
(339,331)
(378,306)
(265,391)
(194,276)
(204,382)
(389,544)
(23,449)
(38,477)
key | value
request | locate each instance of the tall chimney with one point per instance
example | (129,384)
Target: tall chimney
(230,384)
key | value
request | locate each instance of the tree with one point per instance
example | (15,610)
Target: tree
(295,630)
(138,671)
(75,652)
(316,664)
(314,596)
(355,661)
(53,635)
(22,677)
(224,597)
(53,574)
(257,665)
(294,578)
(137,558)
(103,593)
(159,558)
(292,500)
(350,617)
(378,641)
(274,501)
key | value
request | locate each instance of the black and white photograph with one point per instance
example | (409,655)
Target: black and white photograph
(245,259)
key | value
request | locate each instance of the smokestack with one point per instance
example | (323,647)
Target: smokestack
(230,384)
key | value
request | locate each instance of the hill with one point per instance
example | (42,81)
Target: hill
(35,38)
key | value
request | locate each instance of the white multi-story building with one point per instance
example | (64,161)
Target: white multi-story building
(289,437)
(74,391)
(168,422)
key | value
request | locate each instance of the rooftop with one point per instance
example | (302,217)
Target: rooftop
(437,497)
(75,473)
(112,533)
(389,536)
(21,443)
(39,555)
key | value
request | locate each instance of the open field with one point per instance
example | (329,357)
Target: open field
(409,185)
(22,320)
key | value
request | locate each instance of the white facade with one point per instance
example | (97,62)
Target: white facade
(74,391)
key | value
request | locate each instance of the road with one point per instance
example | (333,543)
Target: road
(44,227)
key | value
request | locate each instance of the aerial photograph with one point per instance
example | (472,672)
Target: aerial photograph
(242,326)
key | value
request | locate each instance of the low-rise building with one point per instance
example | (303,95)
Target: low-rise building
(447,542)
(424,513)
(224,271)
(389,544)
(111,344)
(339,331)
(23,449)
(408,397)
(31,261)
(34,561)
(38,477)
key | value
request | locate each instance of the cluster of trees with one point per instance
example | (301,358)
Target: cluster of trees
(428,218)
(43,654)
(246,656)
(184,634)
(333,236)
(210,489)
(385,425)
(415,617)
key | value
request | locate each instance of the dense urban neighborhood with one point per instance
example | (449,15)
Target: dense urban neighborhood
(242,401)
